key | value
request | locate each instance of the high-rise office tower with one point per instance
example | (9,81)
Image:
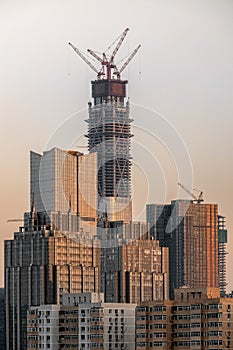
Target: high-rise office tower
(40,265)
(190,231)
(63,189)
(145,271)
(52,253)
(133,270)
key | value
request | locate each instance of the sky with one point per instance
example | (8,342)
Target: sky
(180,88)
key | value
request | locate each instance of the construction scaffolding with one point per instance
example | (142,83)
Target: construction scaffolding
(109,135)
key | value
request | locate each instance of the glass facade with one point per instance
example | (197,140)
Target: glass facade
(64,189)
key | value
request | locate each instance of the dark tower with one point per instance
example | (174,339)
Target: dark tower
(109,135)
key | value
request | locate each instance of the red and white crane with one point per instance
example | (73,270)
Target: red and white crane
(107,64)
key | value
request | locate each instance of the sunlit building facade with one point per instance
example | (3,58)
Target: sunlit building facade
(145,271)
(39,267)
(190,231)
(64,189)
(197,319)
(133,266)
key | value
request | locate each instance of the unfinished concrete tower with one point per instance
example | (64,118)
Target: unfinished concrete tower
(109,134)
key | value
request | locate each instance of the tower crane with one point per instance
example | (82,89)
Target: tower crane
(109,63)
(105,62)
(98,58)
(122,37)
(84,58)
(131,56)
(198,198)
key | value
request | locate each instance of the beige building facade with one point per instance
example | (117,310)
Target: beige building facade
(197,319)
(82,321)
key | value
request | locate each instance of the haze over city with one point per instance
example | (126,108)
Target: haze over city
(183,71)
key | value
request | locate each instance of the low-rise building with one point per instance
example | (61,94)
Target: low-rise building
(196,319)
(42,327)
(154,325)
(82,321)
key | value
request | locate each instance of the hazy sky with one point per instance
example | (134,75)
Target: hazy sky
(184,71)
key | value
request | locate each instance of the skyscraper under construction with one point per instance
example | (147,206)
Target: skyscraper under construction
(109,135)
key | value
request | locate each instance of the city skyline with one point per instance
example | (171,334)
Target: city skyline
(31,118)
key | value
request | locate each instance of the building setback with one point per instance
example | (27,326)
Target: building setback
(190,231)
